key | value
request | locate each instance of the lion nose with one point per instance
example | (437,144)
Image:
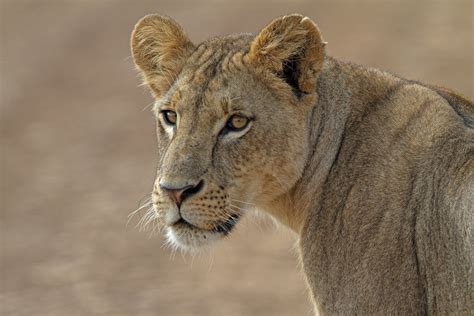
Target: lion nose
(179,193)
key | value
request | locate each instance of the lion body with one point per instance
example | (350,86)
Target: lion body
(374,173)
(393,218)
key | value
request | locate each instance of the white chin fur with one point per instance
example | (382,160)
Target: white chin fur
(190,240)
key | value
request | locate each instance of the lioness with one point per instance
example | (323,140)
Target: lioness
(374,173)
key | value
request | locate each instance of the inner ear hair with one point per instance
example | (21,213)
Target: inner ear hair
(291,73)
(292,48)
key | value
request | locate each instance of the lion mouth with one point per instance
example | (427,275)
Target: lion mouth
(223,227)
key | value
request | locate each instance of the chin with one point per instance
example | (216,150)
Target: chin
(185,236)
(183,239)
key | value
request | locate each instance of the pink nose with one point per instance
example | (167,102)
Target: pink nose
(179,194)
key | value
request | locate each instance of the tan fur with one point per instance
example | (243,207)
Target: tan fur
(160,49)
(374,173)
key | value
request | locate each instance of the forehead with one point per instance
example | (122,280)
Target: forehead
(207,77)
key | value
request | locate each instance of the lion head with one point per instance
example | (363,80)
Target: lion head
(232,118)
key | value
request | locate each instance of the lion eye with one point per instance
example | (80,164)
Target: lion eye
(170,117)
(237,123)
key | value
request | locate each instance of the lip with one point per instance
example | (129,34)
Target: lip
(224,227)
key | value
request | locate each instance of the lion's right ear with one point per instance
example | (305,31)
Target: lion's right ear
(160,49)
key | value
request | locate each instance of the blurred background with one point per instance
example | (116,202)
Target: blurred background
(78,152)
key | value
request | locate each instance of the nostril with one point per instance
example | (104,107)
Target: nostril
(179,194)
(192,190)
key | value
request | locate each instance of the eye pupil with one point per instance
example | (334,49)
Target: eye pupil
(170,117)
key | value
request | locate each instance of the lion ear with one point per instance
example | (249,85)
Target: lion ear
(160,49)
(291,46)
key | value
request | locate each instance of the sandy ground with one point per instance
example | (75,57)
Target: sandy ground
(78,152)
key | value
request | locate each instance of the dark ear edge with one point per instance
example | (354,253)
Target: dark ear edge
(292,48)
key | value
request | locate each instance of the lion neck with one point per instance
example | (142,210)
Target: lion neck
(343,92)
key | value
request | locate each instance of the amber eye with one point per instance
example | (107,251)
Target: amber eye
(170,117)
(237,123)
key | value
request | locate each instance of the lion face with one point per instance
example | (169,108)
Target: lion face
(231,135)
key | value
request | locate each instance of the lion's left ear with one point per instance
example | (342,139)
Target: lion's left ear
(291,46)
(160,49)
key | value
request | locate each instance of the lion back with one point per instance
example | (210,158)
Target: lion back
(444,222)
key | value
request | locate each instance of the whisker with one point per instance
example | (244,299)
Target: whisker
(183,254)
(139,208)
(150,220)
(174,249)
(211,261)
(238,208)
(144,201)
(148,105)
(231,218)
(145,198)
(141,224)
(145,220)
(231,211)
(157,225)
(132,214)
(242,202)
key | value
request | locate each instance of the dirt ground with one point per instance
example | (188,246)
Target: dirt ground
(78,152)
